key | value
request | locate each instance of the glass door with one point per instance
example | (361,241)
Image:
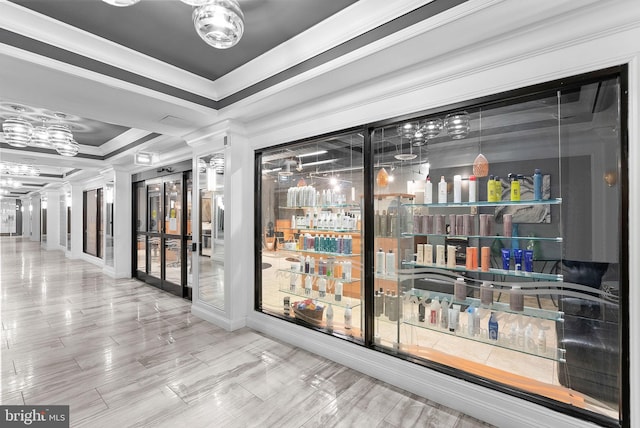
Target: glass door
(162,233)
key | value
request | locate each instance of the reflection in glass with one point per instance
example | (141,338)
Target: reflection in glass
(173,261)
(211,256)
(154,208)
(108,236)
(141,209)
(154,256)
(141,253)
(173,206)
(63,220)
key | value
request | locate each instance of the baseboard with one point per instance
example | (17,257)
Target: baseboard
(217,318)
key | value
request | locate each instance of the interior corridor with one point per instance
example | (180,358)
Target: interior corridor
(122,353)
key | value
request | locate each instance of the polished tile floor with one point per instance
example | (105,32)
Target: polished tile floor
(122,353)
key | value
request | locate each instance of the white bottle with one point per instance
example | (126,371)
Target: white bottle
(529,342)
(329,316)
(472,188)
(347,317)
(390,262)
(380,262)
(346,270)
(442,191)
(338,295)
(322,287)
(428,191)
(307,285)
(542,342)
(457,189)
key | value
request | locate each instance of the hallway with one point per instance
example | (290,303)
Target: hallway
(122,353)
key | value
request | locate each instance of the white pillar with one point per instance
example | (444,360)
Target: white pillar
(76,221)
(122,233)
(34,217)
(53,219)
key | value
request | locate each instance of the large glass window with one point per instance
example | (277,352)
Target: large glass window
(311,234)
(496,235)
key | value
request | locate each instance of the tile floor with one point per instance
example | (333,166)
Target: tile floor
(122,353)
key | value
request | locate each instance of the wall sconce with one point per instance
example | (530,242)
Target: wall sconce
(611,178)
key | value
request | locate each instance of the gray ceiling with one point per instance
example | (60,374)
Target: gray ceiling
(163,29)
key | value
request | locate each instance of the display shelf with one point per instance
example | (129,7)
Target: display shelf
(504,341)
(297,272)
(322,253)
(555,201)
(305,207)
(545,314)
(499,237)
(381,196)
(315,295)
(493,271)
(334,230)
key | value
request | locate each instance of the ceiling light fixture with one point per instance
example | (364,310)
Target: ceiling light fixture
(457,125)
(62,139)
(217,163)
(220,23)
(319,152)
(18,169)
(17,130)
(322,162)
(40,136)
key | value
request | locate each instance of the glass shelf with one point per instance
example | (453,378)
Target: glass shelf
(322,253)
(493,271)
(328,278)
(494,307)
(555,354)
(328,298)
(555,201)
(526,238)
(314,230)
(304,207)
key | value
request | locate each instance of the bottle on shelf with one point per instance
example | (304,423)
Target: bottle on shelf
(460,289)
(322,287)
(537,185)
(444,314)
(428,191)
(472,188)
(390,262)
(457,189)
(542,342)
(493,326)
(529,342)
(338,294)
(308,285)
(442,191)
(378,303)
(347,317)
(515,187)
(329,315)
(491,190)
(497,188)
(380,258)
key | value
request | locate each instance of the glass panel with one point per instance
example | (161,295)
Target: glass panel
(8,224)
(108,244)
(63,221)
(311,233)
(99,222)
(497,237)
(141,245)
(141,208)
(43,222)
(90,212)
(173,258)
(173,206)
(154,196)
(211,282)
(189,264)
(153,250)
(69,222)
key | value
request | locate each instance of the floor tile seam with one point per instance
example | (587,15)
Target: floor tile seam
(102,398)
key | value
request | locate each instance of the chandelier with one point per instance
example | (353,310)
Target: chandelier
(18,169)
(220,23)
(19,132)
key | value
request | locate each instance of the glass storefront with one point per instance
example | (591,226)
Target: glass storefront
(93,230)
(485,240)
(163,232)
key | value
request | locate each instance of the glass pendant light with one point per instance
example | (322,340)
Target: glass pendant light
(40,136)
(407,130)
(480,164)
(220,23)
(70,148)
(382,179)
(121,3)
(17,131)
(432,128)
(457,125)
(195,2)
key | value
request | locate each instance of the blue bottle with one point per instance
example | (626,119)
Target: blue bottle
(493,326)
(537,185)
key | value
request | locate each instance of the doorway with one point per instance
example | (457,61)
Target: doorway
(162,248)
